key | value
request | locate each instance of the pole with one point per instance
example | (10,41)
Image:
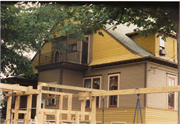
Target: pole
(103,112)
(11,107)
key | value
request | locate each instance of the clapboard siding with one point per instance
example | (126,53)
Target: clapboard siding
(161,116)
(158,78)
(72,78)
(131,76)
(49,76)
(117,115)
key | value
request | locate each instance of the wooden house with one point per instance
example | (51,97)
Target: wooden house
(119,60)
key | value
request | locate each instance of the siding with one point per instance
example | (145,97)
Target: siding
(106,50)
(160,116)
(158,78)
(49,76)
(147,43)
(72,78)
(131,76)
(171,47)
(118,115)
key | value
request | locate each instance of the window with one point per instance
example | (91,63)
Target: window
(171,96)
(92,82)
(113,85)
(161,43)
(72,47)
(96,84)
(57,56)
(51,101)
(87,84)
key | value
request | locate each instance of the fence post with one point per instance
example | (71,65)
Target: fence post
(29,105)
(93,111)
(38,103)
(16,113)
(69,107)
(83,109)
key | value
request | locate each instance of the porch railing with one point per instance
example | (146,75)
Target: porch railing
(74,57)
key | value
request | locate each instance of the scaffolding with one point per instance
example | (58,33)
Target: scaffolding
(42,113)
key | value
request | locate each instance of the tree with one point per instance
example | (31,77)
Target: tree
(27,28)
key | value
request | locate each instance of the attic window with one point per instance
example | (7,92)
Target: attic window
(161,43)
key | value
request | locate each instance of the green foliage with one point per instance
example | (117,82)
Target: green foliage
(24,29)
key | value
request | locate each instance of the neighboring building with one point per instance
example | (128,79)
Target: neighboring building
(119,60)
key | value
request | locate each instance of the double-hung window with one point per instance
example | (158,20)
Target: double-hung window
(113,85)
(161,43)
(171,96)
(93,83)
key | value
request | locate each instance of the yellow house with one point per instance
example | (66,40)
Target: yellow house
(119,60)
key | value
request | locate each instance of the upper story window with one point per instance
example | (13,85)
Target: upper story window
(94,83)
(161,43)
(57,56)
(72,47)
(171,96)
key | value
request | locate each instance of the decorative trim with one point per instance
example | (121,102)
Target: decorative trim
(114,73)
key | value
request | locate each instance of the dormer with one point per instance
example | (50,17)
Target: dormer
(157,46)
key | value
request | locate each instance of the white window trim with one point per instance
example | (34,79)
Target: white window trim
(160,39)
(175,94)
(117,89)
(100,77)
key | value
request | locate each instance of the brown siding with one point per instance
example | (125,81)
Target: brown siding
(131,76)
(157,77)
(72,78)
(49,76)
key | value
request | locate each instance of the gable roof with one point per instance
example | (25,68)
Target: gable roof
(131,45)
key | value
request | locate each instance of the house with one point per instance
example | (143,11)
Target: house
(119,60)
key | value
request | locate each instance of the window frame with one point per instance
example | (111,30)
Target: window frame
(90,88)
(49,103)
(118,87)
(172,78)
(161,47)
(97,106)
(71,49)
(92,78)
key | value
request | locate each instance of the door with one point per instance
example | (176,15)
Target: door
(84,58)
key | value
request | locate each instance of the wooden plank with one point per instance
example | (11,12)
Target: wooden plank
(12,87)
(93,110)
(29,105)
(8,112)
(85,95)
(16,113)
(42,118)
(38,104)
(69,107)
(20,111)
(60,106)
(54,92)
(83,109)
(24,93)
(67,87)
(77,117)
(57,117)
